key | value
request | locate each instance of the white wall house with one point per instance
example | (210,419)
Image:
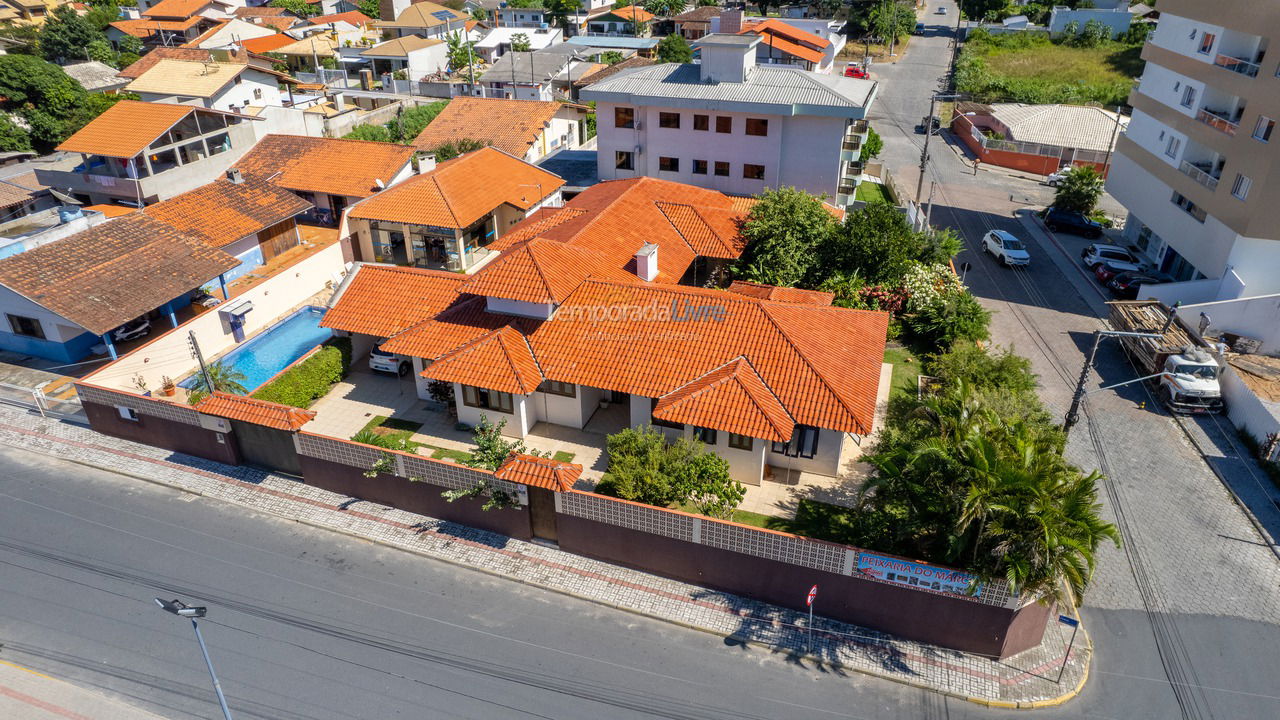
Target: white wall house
(730,125)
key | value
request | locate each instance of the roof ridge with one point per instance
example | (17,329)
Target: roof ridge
(764,309)
(663,210)
(767,387)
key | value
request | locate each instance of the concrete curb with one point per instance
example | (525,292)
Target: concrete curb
(818,661)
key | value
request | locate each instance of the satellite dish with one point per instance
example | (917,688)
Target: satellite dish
(64,197)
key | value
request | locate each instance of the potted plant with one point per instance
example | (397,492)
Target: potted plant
(141,383)
(167,386)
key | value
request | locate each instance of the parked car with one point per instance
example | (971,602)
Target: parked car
(942,10)
(1056,178)
(1006,248)
(1125,285)
(132,330)
(1104,271)
(1114,255)
(919,28)
(1073,222)
(382,361)
(854,69)
(931,123)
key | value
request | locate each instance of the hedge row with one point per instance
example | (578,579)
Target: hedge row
(310,379)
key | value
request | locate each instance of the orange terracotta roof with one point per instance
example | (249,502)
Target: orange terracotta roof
(222,212)
(145,28)
(512,126)
(253,410)
(148,61)
(20,189)
(267,43)
(112,211)
(460,192)
(327,165)
(499,360)
(351,17)
(539,472)
(711,232)
(180,9)
(778,43)
(540,271)
(263,11)
(732,398)
(459,324)
(279,23)
(781,294)
(126,128)
(633,13)
(382,300)
(784,29)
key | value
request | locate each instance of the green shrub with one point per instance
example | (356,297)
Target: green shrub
(343,344)
(966,362)
(310,379)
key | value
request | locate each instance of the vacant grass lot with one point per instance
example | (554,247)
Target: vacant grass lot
(872,192)
(1035,70)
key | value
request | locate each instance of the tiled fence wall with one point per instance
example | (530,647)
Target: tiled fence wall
(161,423)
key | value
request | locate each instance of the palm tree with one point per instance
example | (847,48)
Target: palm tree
(225,378)
(1079,190)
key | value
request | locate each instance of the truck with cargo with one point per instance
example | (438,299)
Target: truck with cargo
(1181,364)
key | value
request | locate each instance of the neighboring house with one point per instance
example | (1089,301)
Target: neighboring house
(304,54)
(787,33)
(246,217)
(1199,167)
(268,44)
(731,125)
(28,12)
(95,76)
(172,22)
(525,17)
(155,55)
(417,56)
(1112,13)
(354,18)
(329,173)
(497,42)
(608,71)
(784,44)
(231,33)
(62,299)
(139,152)
(22,194)
(627,45)
(183,9)
(1038,138)
(447,218)
(695,23)
(426,19)
(527,129)
(631,20)
(527,76)
(214,85)
(579,321)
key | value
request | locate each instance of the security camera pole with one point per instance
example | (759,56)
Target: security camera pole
(181,609)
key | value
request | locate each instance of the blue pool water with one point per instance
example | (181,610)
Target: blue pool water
(275,348)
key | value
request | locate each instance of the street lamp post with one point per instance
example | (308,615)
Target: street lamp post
(1073,414)
(181,609)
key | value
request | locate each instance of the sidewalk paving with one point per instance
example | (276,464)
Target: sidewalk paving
(28,695)
(1029,679)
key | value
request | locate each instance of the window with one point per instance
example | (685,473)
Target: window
(1262,130)
(1206,43)
(1191,208)
(753,172)
(1171,148)
(669,164)
(699,167)
(659,422)
(127,413)
(740,442)
(706,435)
(29,327)
(553,387)
(669,120)
(757,126)
(804,443)
(625,160)
(1240,188)
(1188,96)
(724,124)
(257,93)
(486,399)
(624,117)
(722,169)
(701,122)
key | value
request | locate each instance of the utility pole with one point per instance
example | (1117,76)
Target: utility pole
(928,210)
(1073,414)
(1106,163)
(204,370)
(924,152)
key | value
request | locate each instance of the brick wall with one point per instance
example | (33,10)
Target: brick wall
(160,423)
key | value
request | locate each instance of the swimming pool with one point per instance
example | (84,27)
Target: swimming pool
(275,348)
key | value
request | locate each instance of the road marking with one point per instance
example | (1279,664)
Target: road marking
(38,703)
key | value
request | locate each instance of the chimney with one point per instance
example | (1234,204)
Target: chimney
(426,163)
(339,100)
(234,176)
(731,22)
(647,262)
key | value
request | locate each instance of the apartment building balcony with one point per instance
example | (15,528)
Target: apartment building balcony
(1240,52)
(1202,173)
(1236,65)
(859,127)
(1220,120)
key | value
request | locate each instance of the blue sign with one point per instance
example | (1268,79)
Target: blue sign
(917,575)
(1068,620)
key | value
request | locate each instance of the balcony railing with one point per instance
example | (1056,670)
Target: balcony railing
(1217,122)
(1236,65)
(852,145)
(858,127)
(852,170)
(1199,175)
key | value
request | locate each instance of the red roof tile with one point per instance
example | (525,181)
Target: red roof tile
(336,166)
(509,125)
(781,294)
(454,327)
(351,17)
(499,360)
(539,472)
(733,398)
(253,410)
(268,43)
(540,271)
(382,300)
(222,212)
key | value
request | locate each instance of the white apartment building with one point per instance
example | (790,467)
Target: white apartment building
(731,125)
(1196,167)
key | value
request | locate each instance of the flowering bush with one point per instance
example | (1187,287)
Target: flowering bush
(928,286)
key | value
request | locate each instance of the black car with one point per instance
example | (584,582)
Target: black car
(1125,285)
(932,123)
(1073,222)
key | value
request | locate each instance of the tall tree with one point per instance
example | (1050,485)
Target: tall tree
(1079,190)
(674,49)
(520,43)
(664,8)
(983,9)
(66,35)
(784,232)
(301,8)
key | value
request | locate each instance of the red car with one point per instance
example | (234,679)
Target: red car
(854,70)
(1105,271)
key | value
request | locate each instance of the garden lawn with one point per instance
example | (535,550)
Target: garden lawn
(904,373)
(872,192)
(392,427)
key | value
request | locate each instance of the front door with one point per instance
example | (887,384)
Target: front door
(542,514)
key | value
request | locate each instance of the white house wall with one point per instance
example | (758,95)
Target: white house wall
(56,328)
